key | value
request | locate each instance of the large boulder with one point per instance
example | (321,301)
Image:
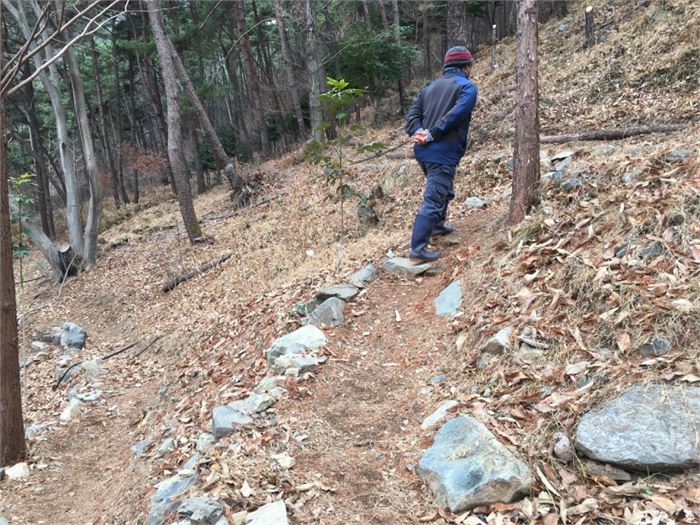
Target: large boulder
(651,427)
(307,337)
(467,467)
(329,313)
(449,300)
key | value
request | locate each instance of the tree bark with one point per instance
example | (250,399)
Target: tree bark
(456,23)
(289,69)
(177,165)
(198,166)
(590,28)
(611,133)
(92,224)
(526,164)
(103,128)
(313,64)
(12,445)
(254,87)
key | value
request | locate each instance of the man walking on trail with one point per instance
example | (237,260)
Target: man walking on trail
(438,123)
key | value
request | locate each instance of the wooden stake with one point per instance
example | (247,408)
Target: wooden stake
(494,57)
(590,30)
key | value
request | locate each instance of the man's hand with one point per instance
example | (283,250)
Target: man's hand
(421,137)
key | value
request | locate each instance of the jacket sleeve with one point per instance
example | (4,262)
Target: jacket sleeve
(459,112)
(414,117)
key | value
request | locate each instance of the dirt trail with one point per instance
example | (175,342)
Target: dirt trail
(363,416)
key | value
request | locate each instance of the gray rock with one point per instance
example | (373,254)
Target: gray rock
(39,346)
(268,384)
(656,347)
(139,448)
(402,265)
(529,355)
(435,380)
(562,155)
(205,441)
(329,313)
(653,427)
(190,464)
(86,397)
(201,511)
(595,469)
(562,447)
(653,250)
(259,402)
(270,514)
(571,184)
(307,337)
(621,250)
(342,291)
(73,336)
(34,429)
(40,357)
(439,414)
(364,276)
(302,364)
(553,175)
(678,155)
(163,501)
(3,521)
(475,202)
(168,445)
(304,309)
(17,471)
(449,300)
(467,467)
(225,420)
(500,342)
(71,411)
(603,149)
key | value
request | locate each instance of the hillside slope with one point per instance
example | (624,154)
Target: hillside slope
(607,262)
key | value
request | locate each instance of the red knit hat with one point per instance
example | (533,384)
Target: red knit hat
(457,56)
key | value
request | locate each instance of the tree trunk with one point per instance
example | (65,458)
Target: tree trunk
(222,158)
(44,192)
(12,445)
(382,12)
(179,170)
(92,224)
(51,82)
(526,164)
(590,28)
(103,128)
(289,69)
(254,87)
(456,24)
(198,166)
(427,61)
(368,18)
(313,65)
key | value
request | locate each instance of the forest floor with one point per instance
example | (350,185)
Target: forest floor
(355,429)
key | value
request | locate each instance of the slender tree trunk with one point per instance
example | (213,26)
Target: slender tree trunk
(44,193)
(254,87)
(103,128)
(12,446)
(117,114)
(526,164)
(456,23)
(368,18)
(313,64)
(179,170)
(222,158)
(382,12)
(289,69)
(92,224)
(199,168)
(426,43)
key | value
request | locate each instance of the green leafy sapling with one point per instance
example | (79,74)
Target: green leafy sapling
(22,198)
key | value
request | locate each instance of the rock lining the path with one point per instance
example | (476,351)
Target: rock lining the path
(647,427)
(307,337)
(364,276)
(439,414)
(450,299)
(201,511)
(467,467)
(345,292)
(402,265)
(328,314)
(271,514)
(225,420)
(163,501)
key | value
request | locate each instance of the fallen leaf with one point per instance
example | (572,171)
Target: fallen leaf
(683,305)
(246,490)
(576,368)
(624,341)
(664,503)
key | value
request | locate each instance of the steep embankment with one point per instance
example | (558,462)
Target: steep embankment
(608,261)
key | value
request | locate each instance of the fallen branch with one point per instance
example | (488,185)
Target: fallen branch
(174,281)
(211,218)
(612,133)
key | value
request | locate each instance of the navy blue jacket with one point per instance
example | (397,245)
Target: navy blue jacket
(444,108)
